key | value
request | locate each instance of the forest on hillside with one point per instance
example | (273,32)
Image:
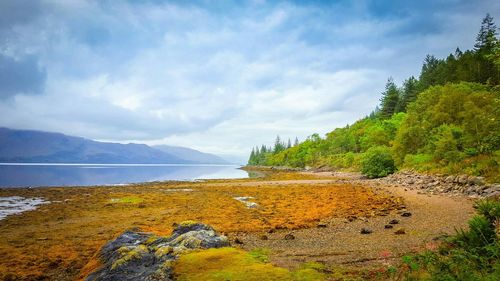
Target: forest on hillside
(445,121)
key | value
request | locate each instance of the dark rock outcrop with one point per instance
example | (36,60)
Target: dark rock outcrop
(135,256)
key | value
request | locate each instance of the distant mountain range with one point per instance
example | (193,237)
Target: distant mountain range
(26,146)
(191,154)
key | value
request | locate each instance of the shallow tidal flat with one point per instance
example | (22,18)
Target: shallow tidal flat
(58,241)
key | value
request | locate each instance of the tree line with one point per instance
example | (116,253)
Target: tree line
(258,155)
(445,120)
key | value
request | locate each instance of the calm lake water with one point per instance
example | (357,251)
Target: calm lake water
(37,175)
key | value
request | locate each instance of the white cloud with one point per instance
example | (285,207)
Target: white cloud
(222,82)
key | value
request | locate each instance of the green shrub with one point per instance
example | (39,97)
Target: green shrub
(471,151)
(377,162)
(489,209)
(480,234)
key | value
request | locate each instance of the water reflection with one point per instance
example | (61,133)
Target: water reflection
(83,174)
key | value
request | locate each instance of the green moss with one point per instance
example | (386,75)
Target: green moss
(226,264)
(123,250)
(308,274)
(167,265)
(151,240)
(163,251)
(236,264)
(313,265)
(188,223)
(309,271)
(260,254)
(128,254)
(191,242)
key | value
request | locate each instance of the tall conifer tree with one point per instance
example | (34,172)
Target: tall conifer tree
(389,99)
(485,40)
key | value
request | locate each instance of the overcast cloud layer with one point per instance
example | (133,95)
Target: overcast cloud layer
(213,75)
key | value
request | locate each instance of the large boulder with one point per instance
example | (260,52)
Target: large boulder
(135,256)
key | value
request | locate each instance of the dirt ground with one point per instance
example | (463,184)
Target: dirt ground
(341,243)
(324,214)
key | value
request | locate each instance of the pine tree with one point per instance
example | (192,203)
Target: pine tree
(485,40)
(389,99)
(289,144)
(495,55)
(296,142)
(251,160)
(487,49)
(278,145)
(409,94)
(263,149)
(429,73)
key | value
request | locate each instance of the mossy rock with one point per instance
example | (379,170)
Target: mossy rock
(135,255)
(163,251)
(129,254)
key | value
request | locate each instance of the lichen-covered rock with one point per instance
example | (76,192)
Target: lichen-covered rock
(135,256)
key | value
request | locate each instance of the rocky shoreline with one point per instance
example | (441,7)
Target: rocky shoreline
(456,185)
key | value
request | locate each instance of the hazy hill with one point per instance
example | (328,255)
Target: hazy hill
(36,146)
(191,154)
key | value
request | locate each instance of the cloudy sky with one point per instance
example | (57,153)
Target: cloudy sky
(219,76)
